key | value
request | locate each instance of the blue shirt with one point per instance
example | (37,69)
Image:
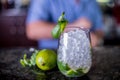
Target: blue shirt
(50,10)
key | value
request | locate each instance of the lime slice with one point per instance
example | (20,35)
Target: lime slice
(71,72)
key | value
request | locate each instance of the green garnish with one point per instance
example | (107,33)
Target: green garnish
(59,28)
(29,62)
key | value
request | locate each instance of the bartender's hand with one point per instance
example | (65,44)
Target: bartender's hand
(96,38)
(85,23)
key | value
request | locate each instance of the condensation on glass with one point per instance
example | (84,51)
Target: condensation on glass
(74,52)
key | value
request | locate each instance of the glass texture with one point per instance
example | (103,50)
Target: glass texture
(74,52)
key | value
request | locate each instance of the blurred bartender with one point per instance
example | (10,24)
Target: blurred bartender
(43,16)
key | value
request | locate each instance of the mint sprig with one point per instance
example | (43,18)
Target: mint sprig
(59,28)
(25,62)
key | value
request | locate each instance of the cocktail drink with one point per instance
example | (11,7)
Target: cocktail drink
(74,52)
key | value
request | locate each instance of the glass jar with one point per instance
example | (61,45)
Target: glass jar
(74,52)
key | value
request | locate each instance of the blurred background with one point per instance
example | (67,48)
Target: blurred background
(13,16)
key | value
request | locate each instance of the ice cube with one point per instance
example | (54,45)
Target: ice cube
(75,48)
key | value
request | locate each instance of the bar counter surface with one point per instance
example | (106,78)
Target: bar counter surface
(105,66)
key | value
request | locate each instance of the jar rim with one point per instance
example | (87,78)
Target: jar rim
(82,28)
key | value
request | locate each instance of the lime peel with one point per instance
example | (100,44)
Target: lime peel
(46,59)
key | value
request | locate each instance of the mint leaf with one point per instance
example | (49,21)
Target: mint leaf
(29,62)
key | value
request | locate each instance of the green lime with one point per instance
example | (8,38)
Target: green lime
(46,59)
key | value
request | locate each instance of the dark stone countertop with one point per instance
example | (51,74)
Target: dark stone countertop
(106,66)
